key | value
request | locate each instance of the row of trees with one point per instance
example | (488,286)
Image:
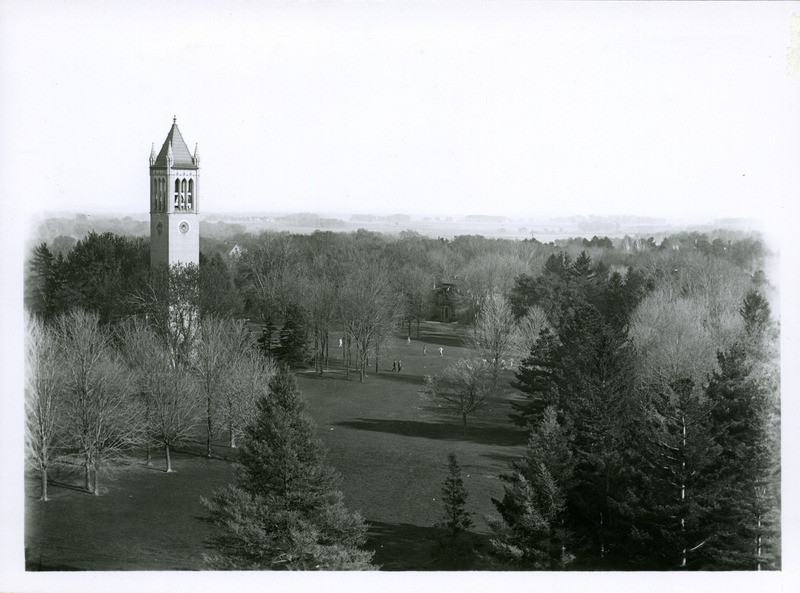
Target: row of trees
(653,408)
(278,270)
(626,402)
(95,394)
(95,397)
(161,368)
(643,453)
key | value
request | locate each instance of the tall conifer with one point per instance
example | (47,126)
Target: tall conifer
(285,511)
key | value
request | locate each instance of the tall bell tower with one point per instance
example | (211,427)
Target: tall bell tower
(174,190)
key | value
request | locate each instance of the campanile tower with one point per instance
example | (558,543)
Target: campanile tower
(174,190)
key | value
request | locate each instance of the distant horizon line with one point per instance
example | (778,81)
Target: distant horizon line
(442,217)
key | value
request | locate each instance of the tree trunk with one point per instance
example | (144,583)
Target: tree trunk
(233,436)
(148,457)
(464,418)
(44,483)
(86,483)
(758,544)
(169,459)
(683,494)
(346,358)
(602,542)
(209,432)
(96,487)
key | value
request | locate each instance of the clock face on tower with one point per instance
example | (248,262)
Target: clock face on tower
(183,227)
(160,227)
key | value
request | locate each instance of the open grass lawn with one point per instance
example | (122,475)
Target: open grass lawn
(388,444)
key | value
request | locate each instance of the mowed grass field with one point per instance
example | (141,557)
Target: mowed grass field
(388,443)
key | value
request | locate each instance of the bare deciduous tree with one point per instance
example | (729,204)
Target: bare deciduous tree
(101,420)
(529,328)
(494,335)
(271,273)
(320,306)
(176,407)
(247,381)
(165,390)
(486,275)
(678,337)
(414,284)
(170,303)
(41,397)
(220,343)
(463,388)
(368,308)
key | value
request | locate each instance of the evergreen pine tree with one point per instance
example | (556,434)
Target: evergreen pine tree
(456,519)
(755,311)
(538,378)
(41,284)
(532,531)
(286,511)
(293,348)
(586,372)
(676,487)
(746,527)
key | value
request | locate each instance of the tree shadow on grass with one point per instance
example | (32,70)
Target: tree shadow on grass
(336,373)
(402,546)
(503,458)
(66,486)
(453,431)
(197,449)
(34,563)
(402,377)
(437,340)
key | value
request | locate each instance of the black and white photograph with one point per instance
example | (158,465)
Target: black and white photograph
(426,295)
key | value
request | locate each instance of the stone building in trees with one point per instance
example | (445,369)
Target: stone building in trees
(445,300)
(174,191)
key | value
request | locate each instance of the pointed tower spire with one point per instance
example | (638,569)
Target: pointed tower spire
(153,154)
(174,195)
(196,156)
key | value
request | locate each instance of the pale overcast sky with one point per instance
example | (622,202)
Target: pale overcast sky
(517,108)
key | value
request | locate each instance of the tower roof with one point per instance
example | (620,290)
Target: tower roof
(181,157)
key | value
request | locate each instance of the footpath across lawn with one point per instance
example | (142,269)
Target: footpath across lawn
(389,445)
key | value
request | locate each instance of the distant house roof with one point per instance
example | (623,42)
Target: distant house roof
(181,157)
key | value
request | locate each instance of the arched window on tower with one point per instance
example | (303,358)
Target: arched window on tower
(153,195)
(190,201)
(177,193)
(161,205)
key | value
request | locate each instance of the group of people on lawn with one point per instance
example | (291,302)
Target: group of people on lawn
(397,365)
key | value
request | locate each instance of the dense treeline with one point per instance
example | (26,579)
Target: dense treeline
(645,454)
(648,374)
(261,276)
